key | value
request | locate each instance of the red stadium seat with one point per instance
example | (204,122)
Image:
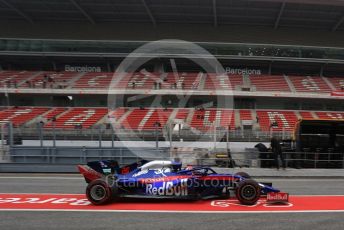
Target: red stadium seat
(269,83)
(245,115)
(285,119)
(16,78)
(85,117)
(54,113)
(337,82)
(306,115)
(221,82)
(204,120)
(181,81)
(19,116)
(94,80)
(330,115)
(310,84)
(138,80)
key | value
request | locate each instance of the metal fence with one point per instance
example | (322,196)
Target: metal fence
(12,152)
(145,135)
(69,156)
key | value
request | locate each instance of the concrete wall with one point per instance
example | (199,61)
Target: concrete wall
(80,155)
(234,146)
(194,32)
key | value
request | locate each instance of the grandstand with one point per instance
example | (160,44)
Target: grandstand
(261,100)
(283,61)
(144,118)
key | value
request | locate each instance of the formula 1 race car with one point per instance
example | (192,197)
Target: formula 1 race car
(166,179)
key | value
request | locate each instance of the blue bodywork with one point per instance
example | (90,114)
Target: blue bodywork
(171,182)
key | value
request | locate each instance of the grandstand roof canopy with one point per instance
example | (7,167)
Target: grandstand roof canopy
(313,14)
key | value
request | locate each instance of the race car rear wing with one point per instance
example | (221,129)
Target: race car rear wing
(105,167)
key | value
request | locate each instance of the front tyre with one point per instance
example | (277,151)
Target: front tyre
(248,192)
(98,192)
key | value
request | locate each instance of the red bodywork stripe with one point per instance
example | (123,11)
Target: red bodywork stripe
(89,173)
(171,178)
(162,179)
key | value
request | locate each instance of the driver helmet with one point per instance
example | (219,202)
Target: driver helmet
(176,166)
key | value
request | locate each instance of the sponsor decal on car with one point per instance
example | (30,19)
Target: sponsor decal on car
(140,173)
(277,197)
(168,189)
(162,179)
(106,171)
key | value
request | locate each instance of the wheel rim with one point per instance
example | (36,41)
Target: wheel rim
(98,192)
(248,192)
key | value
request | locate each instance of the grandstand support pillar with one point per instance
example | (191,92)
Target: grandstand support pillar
(108,66)
(100,138)
(54,65)
(7,97)
(40,133)
(214,136)
(156,138)
(157,125)
(215,13)
(270,68)
(54,134)
(10,133)
(112,138)
(149,12)
(170,137)
(321,74)
(2,136)
(227,138)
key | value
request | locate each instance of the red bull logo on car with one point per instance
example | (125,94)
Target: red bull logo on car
(168,189)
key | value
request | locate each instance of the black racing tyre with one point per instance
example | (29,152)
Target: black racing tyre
(98,192)
(248,192)
(243,174)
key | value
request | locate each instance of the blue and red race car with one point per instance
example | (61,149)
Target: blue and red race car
(167,179)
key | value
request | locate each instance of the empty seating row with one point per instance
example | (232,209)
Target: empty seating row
(78,118)
(306,115)
(269,83)
(148,80)
(330,115)
(12,79)
(310,84)
(222,82)
(207,119)
(150,118)
(19,116)
(276,120)
(53,113)
(50,80)
(337,82)
(94,80)
(245,115)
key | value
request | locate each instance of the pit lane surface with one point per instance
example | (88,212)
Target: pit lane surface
(25,183)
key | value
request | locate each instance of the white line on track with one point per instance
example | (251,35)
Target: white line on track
(71,194)
(81,178)
(42,178)
(166,211)
(33,193)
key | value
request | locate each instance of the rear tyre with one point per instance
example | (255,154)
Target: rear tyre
(98,192)
(248,192)
(243,174)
